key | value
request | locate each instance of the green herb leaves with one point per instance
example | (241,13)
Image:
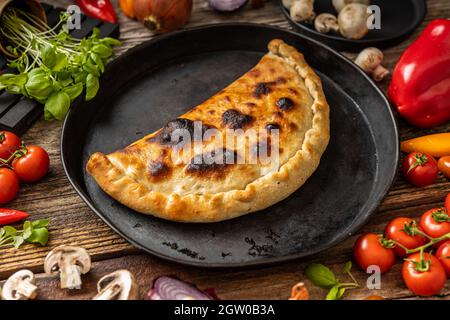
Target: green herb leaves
(32,232)
(54,67)
(323,277)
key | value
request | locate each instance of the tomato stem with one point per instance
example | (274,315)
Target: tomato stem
(420,160)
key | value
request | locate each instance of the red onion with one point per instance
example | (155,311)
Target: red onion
(226,5)
(167,288)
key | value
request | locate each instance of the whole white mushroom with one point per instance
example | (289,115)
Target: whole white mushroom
(352,21)
(303,11)
(340,4)
(370,60)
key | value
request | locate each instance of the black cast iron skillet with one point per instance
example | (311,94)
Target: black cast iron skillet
(399,19)
(161,79)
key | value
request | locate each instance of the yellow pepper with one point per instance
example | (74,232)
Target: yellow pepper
(436,145)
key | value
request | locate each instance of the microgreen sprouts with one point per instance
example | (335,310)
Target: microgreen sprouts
(53,67)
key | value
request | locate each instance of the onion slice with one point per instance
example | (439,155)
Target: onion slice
(168,288)
(226,5)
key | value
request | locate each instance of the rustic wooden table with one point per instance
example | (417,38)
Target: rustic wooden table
(72,222)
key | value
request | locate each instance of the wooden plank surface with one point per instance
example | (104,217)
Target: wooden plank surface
(73,223)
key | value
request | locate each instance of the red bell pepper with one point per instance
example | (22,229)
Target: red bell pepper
(100,9)
(420,85)
(8,216)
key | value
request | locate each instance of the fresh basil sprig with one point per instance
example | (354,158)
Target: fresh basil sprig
(323,277)
(53,68)
(31,232)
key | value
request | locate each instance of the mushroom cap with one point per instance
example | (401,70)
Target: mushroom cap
(67,255)
(353,21)
(288,3)
(340,4)
(303,11)
(369,59)
(325,22)
(118,285)
(10,292)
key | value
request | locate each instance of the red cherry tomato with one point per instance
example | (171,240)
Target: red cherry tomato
(427,282)
(443,254)
(447,203)
(444,166)
(32,165)
(9,185)
(9,143)
(420,169)
(399,231)
(371,249)
(435,223)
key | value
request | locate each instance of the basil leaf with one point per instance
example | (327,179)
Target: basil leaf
(333,293)
(9,231)
(58,104)
(321,275)
(18,241)
(347,267)
(60,61)
(340,293)
(40,223)
(110,41)
(39,86)
(102,50)
(92,86)
(39,235)
(98,61)
(89,67)
(74,90)
(48,56)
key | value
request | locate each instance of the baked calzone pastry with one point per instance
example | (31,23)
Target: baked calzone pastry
(246,148)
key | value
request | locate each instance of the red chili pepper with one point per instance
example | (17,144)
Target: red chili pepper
(8,216)
(100,9)
(420,85)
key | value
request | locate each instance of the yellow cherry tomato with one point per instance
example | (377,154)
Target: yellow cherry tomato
(444,166)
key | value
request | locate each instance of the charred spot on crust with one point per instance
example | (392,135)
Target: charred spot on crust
(280,80)
(262,88)
(212,163)
(250,104)
(158,170)
(272,126)
(234,119)
(293,91)
(285,104)
(165,135)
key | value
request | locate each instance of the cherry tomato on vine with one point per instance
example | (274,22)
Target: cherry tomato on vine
(435,223)
(447,203)
(424,278)
(31,164)
(444,166)
(372,249)
(420,169)
(401,230)
(9,185)
(9,143)
(443,254)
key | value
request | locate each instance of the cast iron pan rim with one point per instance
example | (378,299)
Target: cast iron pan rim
(350,41)
(265,261)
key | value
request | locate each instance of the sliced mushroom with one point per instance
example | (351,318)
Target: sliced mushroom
(353,21)
(370,60)
(288,3)
(340,4)
(326,22)
(303,11)
(69,262)
(20,286)
(119,285)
